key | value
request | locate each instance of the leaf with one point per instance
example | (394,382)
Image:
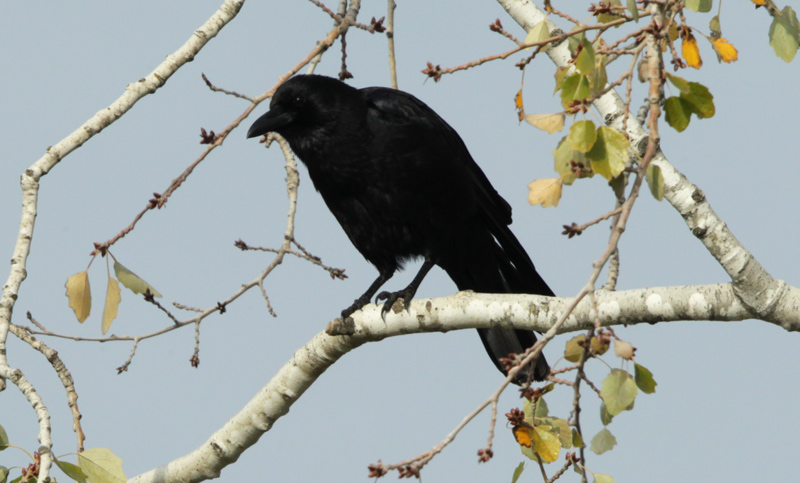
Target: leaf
(677,113)
(602,442)
(623,349)
(599,75)
(565,156)
(783,34)
(601,478)
(644,379)
(518,106)
(633,10)
(561,429)
(582,136)
(549,123)
(679,82)
(585,60)
(699,5)
(546,444)
(541,408)
(3,439)
(523,435)
(714,26)
(605,418)
(575,87)
(573,350)
(559,76)
(609,153)
(598,346)
(577,439)
(3,474)
(691,53)
(112,304)
(79,294)
(132,281)
(655,180)
(538,33)
(725,51)
(101,465)
(546,192)
(607,17)
(618,391)
(700,100)
(72,471)
(518,472)
(759,2)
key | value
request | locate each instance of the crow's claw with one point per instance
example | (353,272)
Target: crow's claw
(404,295)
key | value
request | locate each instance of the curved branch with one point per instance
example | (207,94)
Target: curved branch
(30,191)
(761,293)
(465,310)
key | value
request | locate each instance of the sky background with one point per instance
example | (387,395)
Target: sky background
(724,409)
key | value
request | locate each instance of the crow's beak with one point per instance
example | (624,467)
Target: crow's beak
(272,121)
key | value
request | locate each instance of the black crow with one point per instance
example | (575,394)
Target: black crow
(402,185)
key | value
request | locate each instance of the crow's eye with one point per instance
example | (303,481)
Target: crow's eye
(298,101)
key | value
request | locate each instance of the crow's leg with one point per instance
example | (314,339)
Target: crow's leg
(367,296)
(407,293)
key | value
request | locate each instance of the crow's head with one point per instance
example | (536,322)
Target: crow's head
(303,106)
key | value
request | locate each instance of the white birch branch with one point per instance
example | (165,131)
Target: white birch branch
(752,283)
(29,183)
(465,310)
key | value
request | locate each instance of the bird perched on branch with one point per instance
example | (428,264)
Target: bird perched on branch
(402,185)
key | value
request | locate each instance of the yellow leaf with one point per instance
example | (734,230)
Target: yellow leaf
(759,2)
(133,281)
(518,105)
(726,52)
(79,295)
(547,122)
(538,33)
(100,464)
(112,304)
(523,435)
(690,52)
(546,444)
(546,192)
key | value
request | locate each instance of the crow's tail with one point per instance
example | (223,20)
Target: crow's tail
(499,264)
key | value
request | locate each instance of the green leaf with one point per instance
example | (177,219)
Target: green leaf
(698,5)
(618,185)
(573,350)
(561,429)
(72,471)
(607,17)
(132,281)
(601,478)
(3,474)
(603,441)
(101,465)
(714,26)
(609,153)
(605,418)
(541,408)
(599,75)
(574,87)
(585,60)
(518,472)
(679,82)
(559,76)
(783,34)
(527,410)
(633,10)
(3,439)
(644,379)
(656,183)
(700,100)
(577,439)
(618,391)
(677,113)
(546,444)
(582,136)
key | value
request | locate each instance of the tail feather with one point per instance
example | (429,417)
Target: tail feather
(502,266)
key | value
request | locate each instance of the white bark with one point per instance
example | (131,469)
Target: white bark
(29,183)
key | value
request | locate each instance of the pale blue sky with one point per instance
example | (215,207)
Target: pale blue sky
(724,409)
